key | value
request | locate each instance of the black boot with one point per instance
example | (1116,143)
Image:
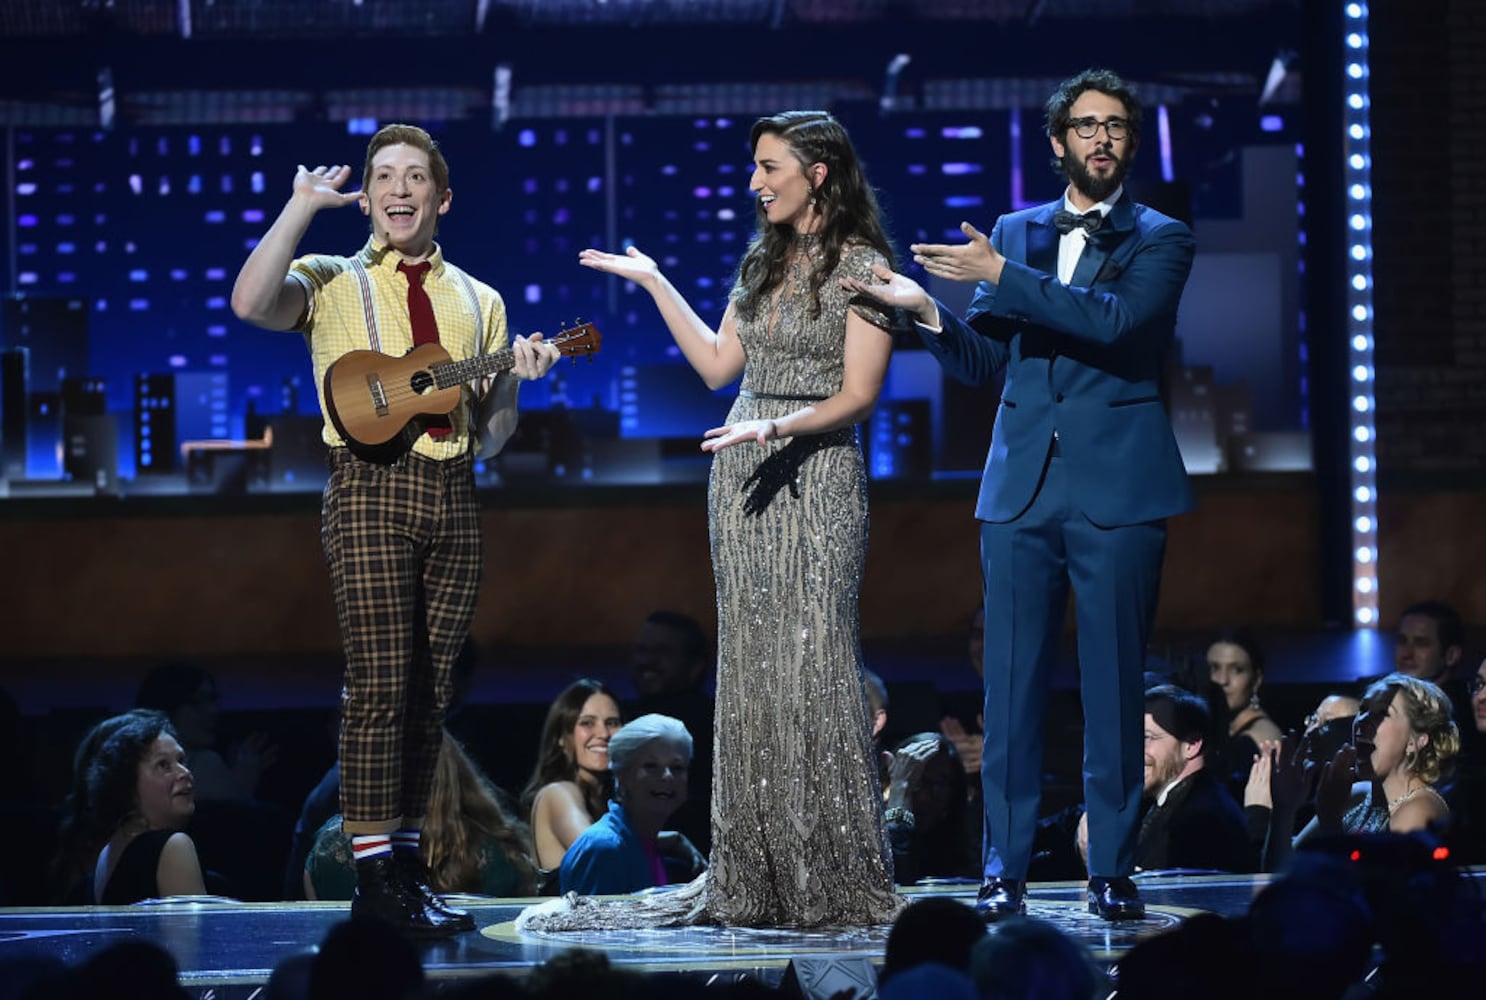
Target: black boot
(416,878)
(381,894)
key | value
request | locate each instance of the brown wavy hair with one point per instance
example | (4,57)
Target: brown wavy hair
(463,810)
(846,202)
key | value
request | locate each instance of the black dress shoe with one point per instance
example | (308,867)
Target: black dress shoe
(1115,899)
(1000,898)
(382,894)
(416,878)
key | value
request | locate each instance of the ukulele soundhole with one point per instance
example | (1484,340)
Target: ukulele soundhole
(422,383)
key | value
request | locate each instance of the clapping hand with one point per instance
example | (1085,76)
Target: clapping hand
(1293,780)
(1334,790)
(967,745)
(1257,791)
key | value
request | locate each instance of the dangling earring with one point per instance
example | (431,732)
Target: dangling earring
(1254,702)
(1410,756)
(812,199)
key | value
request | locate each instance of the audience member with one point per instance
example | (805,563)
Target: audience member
(1028,959)
(1311,932)
(570,784)
(1430,645)
(366,960)
(1331,708)
(1235,662)
(621,852)
(1429,642)
(581,972)
(79,838)
(141,970)
(928,979)
(1206,957)
(934,929)
(189,697)
(925,812)
(470,843)
(1402,740)
(1467,793)
(1327,730)
(1190,821)
(968,740)
(670,664)
(140,790)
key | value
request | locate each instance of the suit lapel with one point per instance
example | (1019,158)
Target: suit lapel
(1117,226)
(1042,241)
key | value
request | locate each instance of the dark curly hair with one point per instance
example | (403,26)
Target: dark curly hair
(113,775)
(846,202)
(1057,119)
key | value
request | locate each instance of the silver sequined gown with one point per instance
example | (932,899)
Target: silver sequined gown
(797,832)
(796,805)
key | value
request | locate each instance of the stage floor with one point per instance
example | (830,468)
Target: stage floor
(227,950)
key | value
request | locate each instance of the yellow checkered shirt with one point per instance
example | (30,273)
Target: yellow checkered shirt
(335,323)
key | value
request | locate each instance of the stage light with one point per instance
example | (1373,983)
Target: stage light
(1358,159)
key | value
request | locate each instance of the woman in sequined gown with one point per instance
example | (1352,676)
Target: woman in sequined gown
(797,829)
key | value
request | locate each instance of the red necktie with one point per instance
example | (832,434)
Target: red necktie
(425,327)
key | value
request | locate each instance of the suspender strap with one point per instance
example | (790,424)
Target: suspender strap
(366,302)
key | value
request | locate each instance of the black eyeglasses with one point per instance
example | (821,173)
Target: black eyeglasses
(1087,128)
(1476,685)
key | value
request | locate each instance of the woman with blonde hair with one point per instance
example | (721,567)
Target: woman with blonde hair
(1383,781)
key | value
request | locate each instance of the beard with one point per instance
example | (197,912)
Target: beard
(1086,183)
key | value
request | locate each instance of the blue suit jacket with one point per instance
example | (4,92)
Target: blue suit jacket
(1082,359)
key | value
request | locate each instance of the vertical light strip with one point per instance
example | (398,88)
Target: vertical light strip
(1358,171)
(1163,132)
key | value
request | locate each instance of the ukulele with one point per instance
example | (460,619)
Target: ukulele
(377,401)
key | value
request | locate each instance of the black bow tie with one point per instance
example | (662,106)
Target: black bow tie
(1066,222)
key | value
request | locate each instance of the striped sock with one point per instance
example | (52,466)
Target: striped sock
(371,846)
(406,840)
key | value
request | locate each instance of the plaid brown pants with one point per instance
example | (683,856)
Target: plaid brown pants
(402,542)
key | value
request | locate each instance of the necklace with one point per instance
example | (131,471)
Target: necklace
(1408,795)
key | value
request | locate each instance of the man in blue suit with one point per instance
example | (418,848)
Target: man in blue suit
(1076,301)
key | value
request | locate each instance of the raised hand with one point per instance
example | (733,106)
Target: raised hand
(967,745)
(762,431)
(631,264)
(1293,779)
(970,262)
(1334,790)
(321,187)
(1257,791)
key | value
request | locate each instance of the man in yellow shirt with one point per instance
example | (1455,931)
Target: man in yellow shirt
(400,530)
